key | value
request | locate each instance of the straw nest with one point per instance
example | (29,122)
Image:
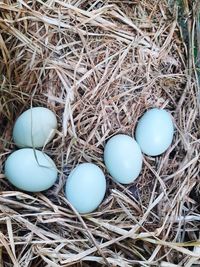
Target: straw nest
(99,65)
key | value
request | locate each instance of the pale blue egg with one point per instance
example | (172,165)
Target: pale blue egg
(154,132)
(123,158)
(30,170)
(35,127)
(85,187)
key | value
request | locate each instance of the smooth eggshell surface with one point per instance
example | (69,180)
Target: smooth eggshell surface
(123,158)
(86,187)
(30,171)
(35,127)
(154,132)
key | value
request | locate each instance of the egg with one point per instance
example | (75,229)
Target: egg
(85,187)
(154,132)
(35,127)
(30,170)
(123,158)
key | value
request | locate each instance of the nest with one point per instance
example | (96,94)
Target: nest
(99,65)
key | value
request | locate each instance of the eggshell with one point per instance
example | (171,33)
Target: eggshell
(30,170)
(123,158)
(86,187)
(35,127)
(154,132)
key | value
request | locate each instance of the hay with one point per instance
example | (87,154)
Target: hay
(99,65)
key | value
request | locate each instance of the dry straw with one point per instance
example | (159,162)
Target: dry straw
(99,65)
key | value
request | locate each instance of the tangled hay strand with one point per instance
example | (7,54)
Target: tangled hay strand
(99,65)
